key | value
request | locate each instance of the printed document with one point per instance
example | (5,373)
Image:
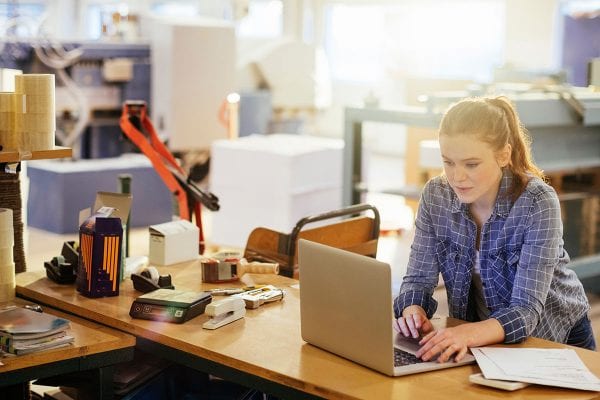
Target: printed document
(552,367)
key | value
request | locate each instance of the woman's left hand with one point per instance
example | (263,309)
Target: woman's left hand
(446,342)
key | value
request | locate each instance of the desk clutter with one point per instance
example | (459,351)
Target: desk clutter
(179,306)
(24,331)
(229,266)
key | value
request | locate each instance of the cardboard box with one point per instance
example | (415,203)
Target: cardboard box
(272,181)
(173,242)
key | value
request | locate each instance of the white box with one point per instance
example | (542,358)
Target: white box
(173,242)
(193,71)
(272,181)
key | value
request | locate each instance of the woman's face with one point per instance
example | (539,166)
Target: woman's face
(473,169)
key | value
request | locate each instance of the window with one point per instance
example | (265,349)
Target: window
(264,20)
(458,39)
(20,19)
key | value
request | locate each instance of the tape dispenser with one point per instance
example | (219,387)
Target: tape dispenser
(149,279)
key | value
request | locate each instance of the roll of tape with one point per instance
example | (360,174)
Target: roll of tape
(34,141)
(6,256)
(7,236)
(7,282)
(38,84)
(6,220)
(7,120)
(7,291)
(7,241)
(7,102)
(9,140)
(7,273)
(35,122)
(34,103)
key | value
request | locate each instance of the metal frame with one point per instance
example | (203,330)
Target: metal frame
(98,367)
(181,357)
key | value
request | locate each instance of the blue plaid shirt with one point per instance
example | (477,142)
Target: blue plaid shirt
(526,283)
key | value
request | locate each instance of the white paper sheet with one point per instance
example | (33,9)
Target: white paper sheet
(552,367)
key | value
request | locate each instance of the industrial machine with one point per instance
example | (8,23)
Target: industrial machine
(136,125)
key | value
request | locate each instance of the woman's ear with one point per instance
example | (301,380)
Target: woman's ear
(503,156)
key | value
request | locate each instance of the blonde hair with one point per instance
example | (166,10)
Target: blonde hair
(495,121)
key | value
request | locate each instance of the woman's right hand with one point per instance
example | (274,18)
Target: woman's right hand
(413,322)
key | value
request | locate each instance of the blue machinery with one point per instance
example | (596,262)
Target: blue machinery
(92,96)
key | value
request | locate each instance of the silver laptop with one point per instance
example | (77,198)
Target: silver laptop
(346,308)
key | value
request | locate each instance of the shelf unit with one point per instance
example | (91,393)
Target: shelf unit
(18,156)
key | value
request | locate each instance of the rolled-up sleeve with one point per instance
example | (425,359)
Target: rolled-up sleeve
(422,271)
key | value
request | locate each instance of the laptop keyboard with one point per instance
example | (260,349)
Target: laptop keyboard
(402,357)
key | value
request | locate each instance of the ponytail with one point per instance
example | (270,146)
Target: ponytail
(521,161)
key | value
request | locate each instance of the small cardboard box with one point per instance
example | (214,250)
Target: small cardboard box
(174,242)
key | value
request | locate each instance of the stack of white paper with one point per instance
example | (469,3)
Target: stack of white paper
(552,367)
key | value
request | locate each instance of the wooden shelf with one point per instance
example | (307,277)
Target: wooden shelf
(15,156)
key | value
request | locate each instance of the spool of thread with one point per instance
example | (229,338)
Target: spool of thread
(35,119)
(7,266)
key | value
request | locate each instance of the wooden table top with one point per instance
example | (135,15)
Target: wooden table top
(90,339)
(267,343)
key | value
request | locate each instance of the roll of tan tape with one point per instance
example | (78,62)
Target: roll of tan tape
(35,122)
(38,84)
(34,119)
(34,103)
(7,237)
(7,273)
(7,102)
(7,121)
(7,270)
(7,291)
(34,141)
(9,140)
(6,256)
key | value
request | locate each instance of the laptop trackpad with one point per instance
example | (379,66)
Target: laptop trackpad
(411,345)
(407,344)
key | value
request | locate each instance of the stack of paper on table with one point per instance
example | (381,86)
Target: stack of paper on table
(552,367)
(25,331)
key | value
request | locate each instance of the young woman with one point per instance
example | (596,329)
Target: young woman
(492,227)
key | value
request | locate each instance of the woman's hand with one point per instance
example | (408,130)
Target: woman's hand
(456,341)
(446,342)
(413,322)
